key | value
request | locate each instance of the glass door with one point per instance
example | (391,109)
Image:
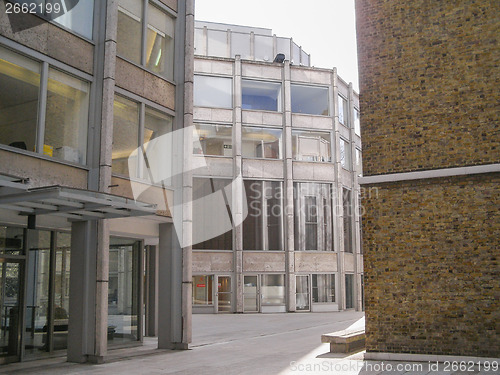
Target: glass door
(302,293)
(10,311)
(223,294)
(251,294)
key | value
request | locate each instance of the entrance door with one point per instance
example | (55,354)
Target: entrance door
(251,293)
(10,310)
(224,294)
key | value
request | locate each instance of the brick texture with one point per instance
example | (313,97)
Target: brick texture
(432,277)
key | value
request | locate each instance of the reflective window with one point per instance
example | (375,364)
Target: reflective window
(349,291)
(302,293)
(261,142)
(240,45)
(217,43)
(79,17)
(323,288)
(347,220)
(342,110)
(311,146)
(263,226)
(63,133)
(345,154)
(204,187)
(265,96)
(213,92)
(66,117)
(264,48)
(157,55)
(359,162)
(312,216)
(357,124)
(273,289)
(202,290)
(213,139)
(312,100)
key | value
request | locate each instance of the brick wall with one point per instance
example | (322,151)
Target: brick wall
(429,99)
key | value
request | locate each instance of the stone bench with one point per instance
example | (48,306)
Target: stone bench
(345,341)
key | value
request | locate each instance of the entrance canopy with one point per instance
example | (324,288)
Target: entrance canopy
(73,204)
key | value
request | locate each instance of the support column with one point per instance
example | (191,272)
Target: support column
(81,332)
(288,197)
(151,291)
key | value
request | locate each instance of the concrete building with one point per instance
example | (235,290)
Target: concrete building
(79,93)
(429,100)
(285,136)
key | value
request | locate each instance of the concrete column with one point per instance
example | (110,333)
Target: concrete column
(151,291)
(81,332)
(237,204)
(288,186)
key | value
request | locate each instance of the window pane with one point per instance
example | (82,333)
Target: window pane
(359,162)
(264,48)
(323,287)
(342,110)
(66,124)
(240,45)
(349,291)
(273,289)
(11,240)
(213,92)
(129,35)
(157,124)
(264,96)
(261,142)
(125,134)
(345,154)
(302,292)
(213,140)
(203,187)
(200,45)
(160,42)
(347,222)
(217,43)
(357,125)
(309,99)
(202,290)
(311,146)
(80,19)
(263,226)
(312,216)
(19,82)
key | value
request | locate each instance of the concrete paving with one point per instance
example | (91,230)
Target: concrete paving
(244,344)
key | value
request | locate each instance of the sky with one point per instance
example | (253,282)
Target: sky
(325,29)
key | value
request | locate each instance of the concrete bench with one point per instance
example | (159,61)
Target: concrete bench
(345,341)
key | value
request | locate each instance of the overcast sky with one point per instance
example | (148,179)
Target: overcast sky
(325,29)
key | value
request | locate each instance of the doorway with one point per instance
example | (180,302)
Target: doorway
(223,294)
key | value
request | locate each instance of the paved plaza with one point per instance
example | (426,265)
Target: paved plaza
(245,344)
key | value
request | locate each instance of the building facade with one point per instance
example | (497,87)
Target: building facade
(283,139)
(79,253)
(429,99)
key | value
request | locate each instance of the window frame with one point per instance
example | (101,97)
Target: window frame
(263,127)
(346,162)
(325,88)
(333,278)
(279,100)
(331,136)
(345,110)
(357,121)
(224,124)
(45,63)
(231,106)
(142,104)
(144,34)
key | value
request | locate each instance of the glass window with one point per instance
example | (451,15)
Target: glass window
(125,134)
(213,139)
(240,45)
(158,53)
(313,216)
(264,48)
(312,100)
(283,46)
(265,96)
(311,146)
(128,38)
(123,291)
(217,43)
(349,291)
(347,220)
(79,17)
(261,142)
(359,162)
(66,117)
(200,42)
(202,290)
(342,110)
(302,293)
(345,154)
(357,124)
(213,92)
(323,288)
(273,289)
(160,42)
(11,241)
(20,83)
(263,226)
(203,187)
